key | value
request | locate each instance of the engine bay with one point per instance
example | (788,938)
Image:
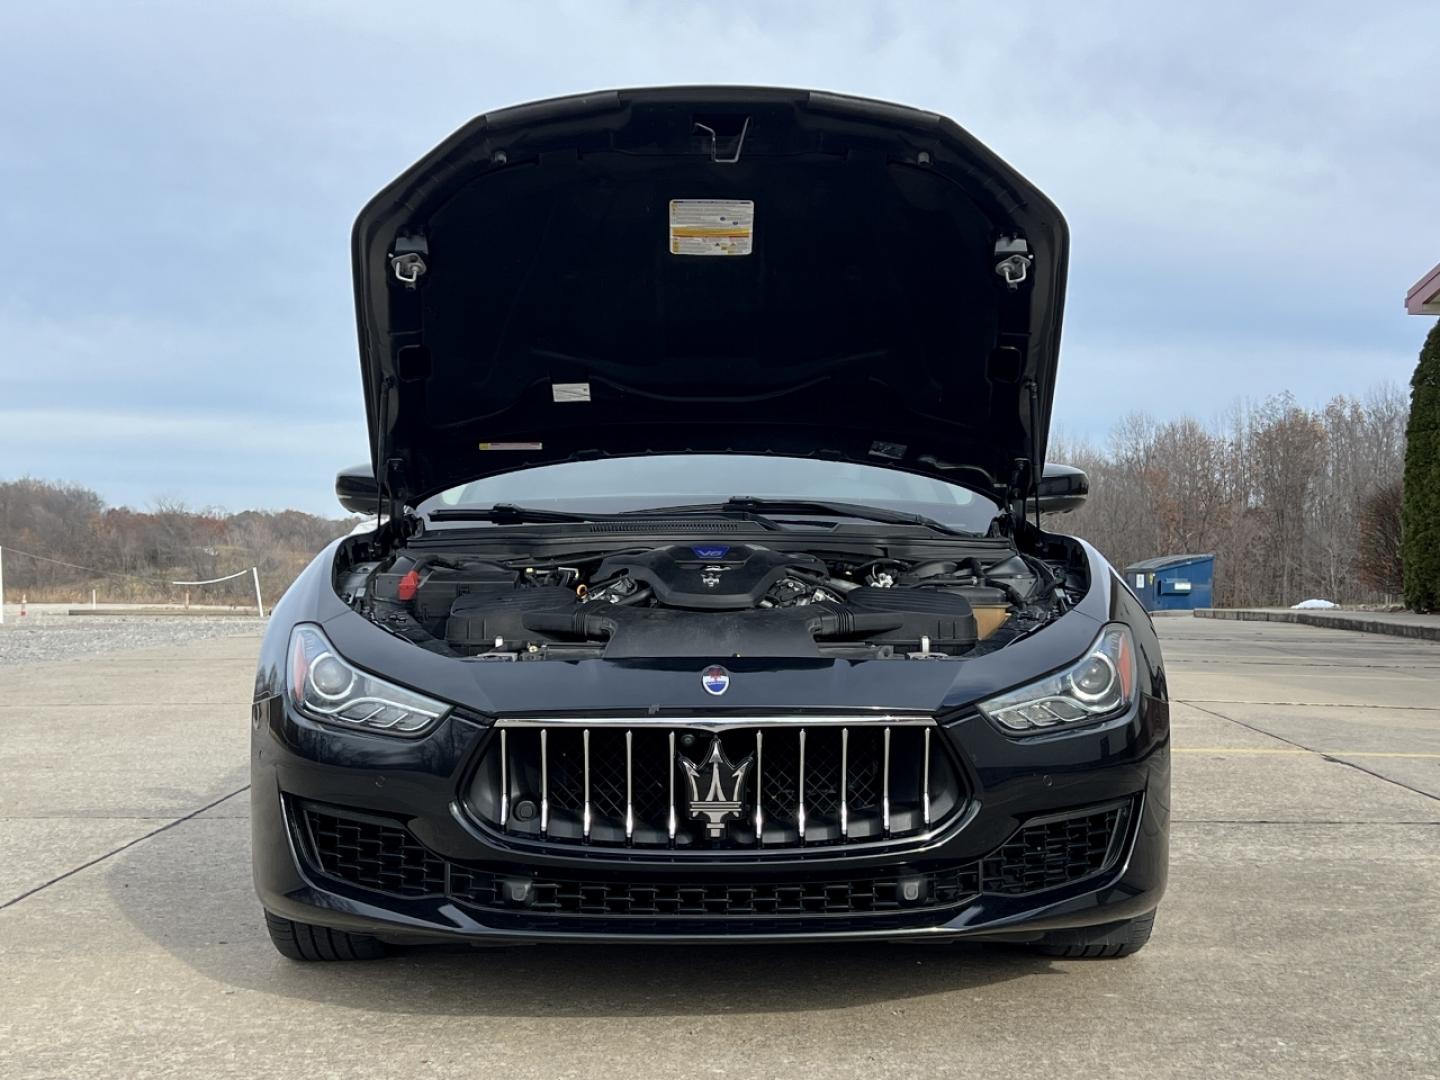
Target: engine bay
(712,599)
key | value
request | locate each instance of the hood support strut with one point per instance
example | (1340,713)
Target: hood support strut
(1032,391)
(391,521)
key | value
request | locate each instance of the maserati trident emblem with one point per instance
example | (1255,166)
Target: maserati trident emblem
(723,785)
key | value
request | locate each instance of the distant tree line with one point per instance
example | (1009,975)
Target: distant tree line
(137,552)
(1295,503)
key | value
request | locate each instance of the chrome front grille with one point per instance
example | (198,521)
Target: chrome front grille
(740,784)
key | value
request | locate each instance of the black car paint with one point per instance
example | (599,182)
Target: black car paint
(892,339)
(953,379)
(419,781)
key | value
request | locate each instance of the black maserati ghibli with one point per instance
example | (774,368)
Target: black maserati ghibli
(708,595)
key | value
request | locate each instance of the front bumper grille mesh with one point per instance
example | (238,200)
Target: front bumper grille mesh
(1053,852)
(848,896)
(364,852)
(383,856)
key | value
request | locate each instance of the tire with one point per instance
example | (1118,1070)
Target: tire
(301,941)
(1100,942)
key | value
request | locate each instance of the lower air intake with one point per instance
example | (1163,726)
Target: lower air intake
(1055,851)
(381,855)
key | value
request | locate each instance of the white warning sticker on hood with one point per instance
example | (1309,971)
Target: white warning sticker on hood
(711,226)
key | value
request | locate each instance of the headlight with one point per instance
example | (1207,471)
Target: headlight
(325,687)
(1099,685)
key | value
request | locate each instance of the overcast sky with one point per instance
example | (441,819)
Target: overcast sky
(1250,192)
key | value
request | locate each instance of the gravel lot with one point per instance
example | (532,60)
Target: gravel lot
(47,632)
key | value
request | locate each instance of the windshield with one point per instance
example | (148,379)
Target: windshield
(617,485)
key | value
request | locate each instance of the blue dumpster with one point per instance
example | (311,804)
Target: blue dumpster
(1173,582)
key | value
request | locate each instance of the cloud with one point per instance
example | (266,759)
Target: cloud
(1248,193)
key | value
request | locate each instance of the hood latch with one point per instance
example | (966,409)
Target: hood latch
(407,261)
(1014,259)
(726,143)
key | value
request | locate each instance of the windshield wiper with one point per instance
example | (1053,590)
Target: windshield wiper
(507,514)
(510,514)
(755,507)
(746,508)
(844,509)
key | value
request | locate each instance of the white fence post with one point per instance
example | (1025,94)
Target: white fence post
(254,574)
(2,586)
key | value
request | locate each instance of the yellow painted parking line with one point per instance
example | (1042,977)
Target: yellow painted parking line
(1299,750)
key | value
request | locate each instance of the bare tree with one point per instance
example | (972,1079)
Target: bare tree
(1274,490)
(1379,564)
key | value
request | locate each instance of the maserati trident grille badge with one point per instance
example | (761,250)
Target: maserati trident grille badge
(723,787)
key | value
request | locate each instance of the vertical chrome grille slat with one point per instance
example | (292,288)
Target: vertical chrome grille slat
(800,805)
(925,783)
(629,787)
(670,825)
(544,782)
(885,797)
(759,788)
(504,780)
(844,783)
(585,812)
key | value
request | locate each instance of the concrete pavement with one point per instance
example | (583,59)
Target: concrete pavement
(1299,937)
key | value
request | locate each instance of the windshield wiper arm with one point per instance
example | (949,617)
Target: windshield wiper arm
(747,508)
(841,509)
(510,514)
(751,508)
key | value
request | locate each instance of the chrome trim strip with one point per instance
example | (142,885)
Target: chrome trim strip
(713,724)
(671,823)
(925,782)
(800,809)
(759,789)
(885,800)
(585,814)
(845,782)
(544,783)
(629,789)
(504,781)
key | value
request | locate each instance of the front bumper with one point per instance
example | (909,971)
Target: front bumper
(414,789)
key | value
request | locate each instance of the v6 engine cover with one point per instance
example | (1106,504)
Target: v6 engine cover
(708,577)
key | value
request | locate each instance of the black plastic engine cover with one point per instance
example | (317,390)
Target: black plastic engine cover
(709,577)
(439,584)
(483,614)
(944,617)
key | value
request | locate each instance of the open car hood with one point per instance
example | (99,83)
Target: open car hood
(708,270)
